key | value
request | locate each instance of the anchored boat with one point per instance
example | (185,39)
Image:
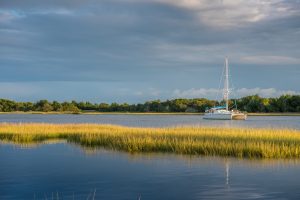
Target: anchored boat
(223,112)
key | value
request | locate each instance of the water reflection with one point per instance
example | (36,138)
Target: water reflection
(69,170)
(190,160)
(30,145)
(227,173)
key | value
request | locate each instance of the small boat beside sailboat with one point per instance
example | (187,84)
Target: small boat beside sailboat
(223,112)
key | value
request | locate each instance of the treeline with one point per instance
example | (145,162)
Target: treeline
(284,103)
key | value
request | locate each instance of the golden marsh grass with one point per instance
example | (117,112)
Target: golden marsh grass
(213,141)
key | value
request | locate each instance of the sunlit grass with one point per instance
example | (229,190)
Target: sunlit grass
(237,142)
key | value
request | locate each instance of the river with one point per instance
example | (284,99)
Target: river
(149,120)
(60,170)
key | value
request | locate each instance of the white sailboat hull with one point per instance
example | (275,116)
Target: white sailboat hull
(220,116)
(225,116)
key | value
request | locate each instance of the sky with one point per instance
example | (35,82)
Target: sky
(138,50)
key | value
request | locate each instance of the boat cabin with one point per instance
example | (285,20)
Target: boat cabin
(214,109)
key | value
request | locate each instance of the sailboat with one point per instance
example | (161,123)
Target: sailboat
(223,112)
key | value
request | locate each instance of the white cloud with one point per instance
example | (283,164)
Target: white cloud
(148,92)
(264,92)
(228,13)
(269,60)
(58,11)
(213,93)
(196,93)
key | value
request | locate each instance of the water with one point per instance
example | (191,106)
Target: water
(68,171)
(156,120)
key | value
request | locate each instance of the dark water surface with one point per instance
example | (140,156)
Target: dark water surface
(67,171)
(156,120)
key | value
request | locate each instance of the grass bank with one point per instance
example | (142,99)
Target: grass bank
(236,142)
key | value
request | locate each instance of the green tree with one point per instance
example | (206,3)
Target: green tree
(43,105)
(56,106)
(104,107)
(69,107)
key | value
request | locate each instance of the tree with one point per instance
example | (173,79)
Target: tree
(43,105)
(104,107)
(254,103)
(56,106)
(66,106)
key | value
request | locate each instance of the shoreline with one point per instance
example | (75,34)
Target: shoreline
(207,141)
(139,113)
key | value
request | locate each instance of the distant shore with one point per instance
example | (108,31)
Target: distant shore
(145,113)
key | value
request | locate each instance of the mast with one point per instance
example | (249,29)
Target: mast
(226,84)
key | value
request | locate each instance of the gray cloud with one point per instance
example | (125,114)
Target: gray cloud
(165,44)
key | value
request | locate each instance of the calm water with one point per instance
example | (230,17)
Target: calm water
(67,171)
(156,120)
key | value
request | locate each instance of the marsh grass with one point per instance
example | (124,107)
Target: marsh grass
(213,141)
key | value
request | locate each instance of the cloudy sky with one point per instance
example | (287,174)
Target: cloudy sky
(137,50)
